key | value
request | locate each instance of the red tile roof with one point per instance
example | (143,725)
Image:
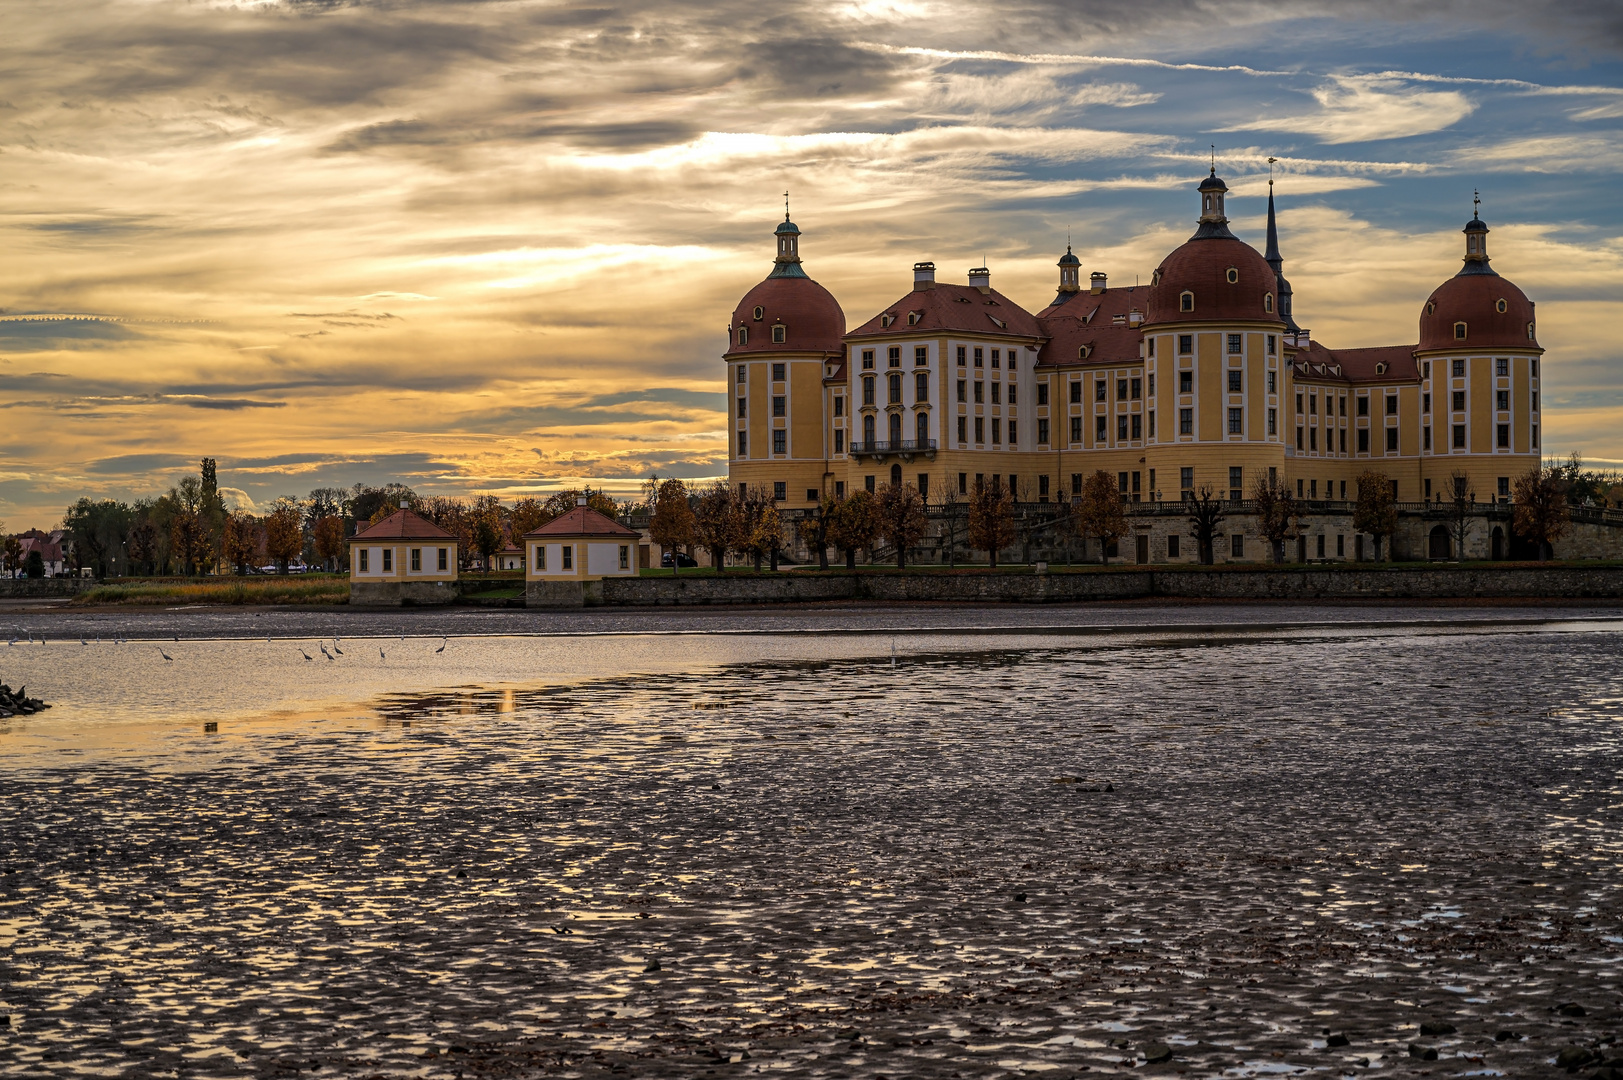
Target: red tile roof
(1473,299)
(403,525)
(583,521)
(1201,266)
(1320,364)
(1089,318)
(962,309)
(811,317)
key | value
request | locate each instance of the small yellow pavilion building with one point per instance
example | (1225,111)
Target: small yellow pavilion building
(573,549)
(404,559)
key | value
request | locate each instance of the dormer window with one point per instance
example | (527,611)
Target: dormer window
(912,318)
(1459,331)
(780,333)
(886,319)
(1380,368)
(1268,302)
(759,312)
(743,335)
(1500,306)
(1234,275)
(1083,352)
(1529,331)
(1431,307)
(1186,301)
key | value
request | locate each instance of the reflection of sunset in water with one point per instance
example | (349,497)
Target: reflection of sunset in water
(1004,853)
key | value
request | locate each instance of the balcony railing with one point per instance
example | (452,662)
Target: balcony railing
(893,446)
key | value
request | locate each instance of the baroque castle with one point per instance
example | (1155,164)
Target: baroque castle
(1202,379)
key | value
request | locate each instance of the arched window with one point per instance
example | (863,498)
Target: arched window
(1083,351)
(1529,331)
(867,430)
(895,476)
(743,335)
(1459,331)
(1268,302)
(895,429)
(922,423)
(1186,302)
(1431,307)
(780,334)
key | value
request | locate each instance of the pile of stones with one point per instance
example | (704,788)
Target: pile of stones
(18,703)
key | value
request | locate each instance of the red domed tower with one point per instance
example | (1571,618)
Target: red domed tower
(1214,352)
(1479,368)
(784,354)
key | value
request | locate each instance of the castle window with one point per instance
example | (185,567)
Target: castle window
(980,357)
(759,313)
(1501,367)
(1500,306)
(886,319)
(1431,307)
(1459,369)
(1186,302)
(921,355)
(1235,344)
(779,334)
(867,359)
(1529,331)
(1268,302)
(1186,343)
(1186,421)
(1076,393)
(1535,359)
(1083,351)
(780,443)
(912,318)
(961,354)
(893,356)
(740,374)
(743,335)
(777,372)
(921,386)
(1233,276)
(1459,331)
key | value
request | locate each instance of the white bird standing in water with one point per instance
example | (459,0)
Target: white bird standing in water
(165,655)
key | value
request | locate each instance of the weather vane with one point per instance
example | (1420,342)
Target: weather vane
(1214,159)
(1271,171)
(1476,203)
(786,206)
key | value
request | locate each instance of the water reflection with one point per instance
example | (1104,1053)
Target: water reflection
(995,856)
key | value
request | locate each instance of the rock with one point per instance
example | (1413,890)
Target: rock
(1575,1057)
(1337,1040)
(1155,1053)
(1110,787)
(653,965)
(1019,897)
(1570,1008)
(1506,1036)
(1609,1072)
(1424,1053)
(1437,1027)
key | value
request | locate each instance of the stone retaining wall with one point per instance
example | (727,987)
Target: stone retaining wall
(402,593)
(1439,582)
(18,588)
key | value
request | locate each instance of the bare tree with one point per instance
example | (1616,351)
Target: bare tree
(1539,511)
(949,506)
(1205,515)
(1376,511)
(814,527)
(1100,512)
(1278,514)
(1462,500)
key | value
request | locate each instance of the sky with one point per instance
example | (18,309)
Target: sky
(493,247)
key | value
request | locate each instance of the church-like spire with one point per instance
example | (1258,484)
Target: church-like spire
(1476,241)
(1282,288)
(787,262)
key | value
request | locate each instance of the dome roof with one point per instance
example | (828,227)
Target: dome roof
(1068,259)
(1474,299)
(1201,266)
(811,317)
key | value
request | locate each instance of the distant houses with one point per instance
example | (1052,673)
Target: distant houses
(403,559)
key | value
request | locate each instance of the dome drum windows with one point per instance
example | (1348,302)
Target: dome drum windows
(760,313)
(1529,331)
(1186,301)
(1431,307)
(780,334)
(1459,331)
(743,335)
(1268,303)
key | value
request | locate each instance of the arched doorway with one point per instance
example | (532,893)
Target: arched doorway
(895,429)
(867,431)
(1498,542)
(1440,546)
(923,426)
(895,476)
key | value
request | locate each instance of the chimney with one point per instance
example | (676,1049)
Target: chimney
(580,500)
(980,278)
(1097,280)
(1135,317)
(923,275)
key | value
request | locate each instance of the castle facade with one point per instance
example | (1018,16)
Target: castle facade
(1200,379)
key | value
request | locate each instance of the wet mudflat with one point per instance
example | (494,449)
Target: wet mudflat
(1333,852)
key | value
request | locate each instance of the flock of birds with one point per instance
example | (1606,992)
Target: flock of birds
(337,646)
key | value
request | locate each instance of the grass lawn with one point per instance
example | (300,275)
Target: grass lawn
(292,589)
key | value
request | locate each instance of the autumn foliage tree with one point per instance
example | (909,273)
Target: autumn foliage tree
(1376,511)
(854,525)
(528,514)
(991,519)
(240,542)
(1099,512)
(716,522)
(284,534)
(1539,507)
(902,521)
(813,530)
(760,531)
(670,522)
(328,535)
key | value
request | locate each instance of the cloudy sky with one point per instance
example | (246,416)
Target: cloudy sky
(491,247)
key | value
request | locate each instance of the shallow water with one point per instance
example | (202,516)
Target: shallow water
(994,854)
